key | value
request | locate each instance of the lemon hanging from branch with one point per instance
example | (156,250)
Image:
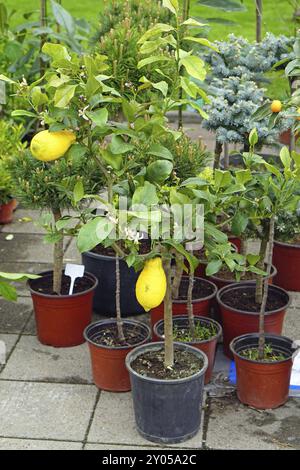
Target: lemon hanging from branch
(151,285)
(48,146)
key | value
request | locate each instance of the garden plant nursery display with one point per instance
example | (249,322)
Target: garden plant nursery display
(161,260)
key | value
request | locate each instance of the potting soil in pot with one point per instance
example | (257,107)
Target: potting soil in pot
(201,290)
(151,364)
(108,336)
(244,299)
(44,285)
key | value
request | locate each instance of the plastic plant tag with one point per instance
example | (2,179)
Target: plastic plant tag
(74,271)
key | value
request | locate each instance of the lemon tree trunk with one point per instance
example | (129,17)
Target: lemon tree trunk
(168,319)
(118,302)
(58,256)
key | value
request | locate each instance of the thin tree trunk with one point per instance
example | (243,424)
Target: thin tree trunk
(190,305)
(43,21)
(177,276)
(168,318)
(58,257)
(118,302)
(261,341)
(218,153)
(226,155)
(259,6)
(261,265)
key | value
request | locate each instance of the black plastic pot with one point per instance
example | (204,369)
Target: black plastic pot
(104,268)
(167,411)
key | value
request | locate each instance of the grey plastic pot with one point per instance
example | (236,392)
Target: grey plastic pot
(167,411)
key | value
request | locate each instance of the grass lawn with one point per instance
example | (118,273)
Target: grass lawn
(277,15)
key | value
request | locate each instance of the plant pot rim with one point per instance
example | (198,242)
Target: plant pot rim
(268,336)
(114,321)
(195,341)
(251,284)
(158,345)
(60,297)
(287,245)
(215,277)
(8,203)
(91,254)
(201,299)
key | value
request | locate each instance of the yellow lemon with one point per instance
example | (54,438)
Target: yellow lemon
(48,146)
(151,285)
(276,106)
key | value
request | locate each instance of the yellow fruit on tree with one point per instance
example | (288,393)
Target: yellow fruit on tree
(48,146)
(276,106)
(151,285)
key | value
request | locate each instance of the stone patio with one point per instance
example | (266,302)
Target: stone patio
(48,400)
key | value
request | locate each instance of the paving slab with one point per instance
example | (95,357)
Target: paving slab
(9,342)
(114,422)
(291,327)
(25,247)
(295,299)
(235,426)
(35,444)
(124,447)
(72,254)
(13,316)
(48,364)
(24,221)
(45,411)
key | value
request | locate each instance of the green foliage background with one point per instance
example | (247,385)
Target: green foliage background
(277,15)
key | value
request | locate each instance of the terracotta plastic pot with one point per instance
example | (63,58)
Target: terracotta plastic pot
(237,322)
(263,385)
(7,211)
(286,258)
(108,363)
(207,346)
(167,411)
(236,241)
(61,320)
(201,307)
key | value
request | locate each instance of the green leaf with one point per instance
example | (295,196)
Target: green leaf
(63,18)
(222,179)
(161,86)
(172,5)
(7,79)
(159,171)
(253,137)
(193,22)
(194,66)
(38,98)
(18,276)
(243,176)
(155,31)
(78,192)
(191,259)
(115,161)
(23,112)
(203,42)
(272,169)
(151,60)
(8,292)
(225,5)
(119,146)
(285,157)
(98,117)
(56,51)
(160,151)
(64,95)
(239,223)
(178,198)
(189,87)
(213,267)
(213,232)
(145,195)
(252,259)
(261,113)
(93,232)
